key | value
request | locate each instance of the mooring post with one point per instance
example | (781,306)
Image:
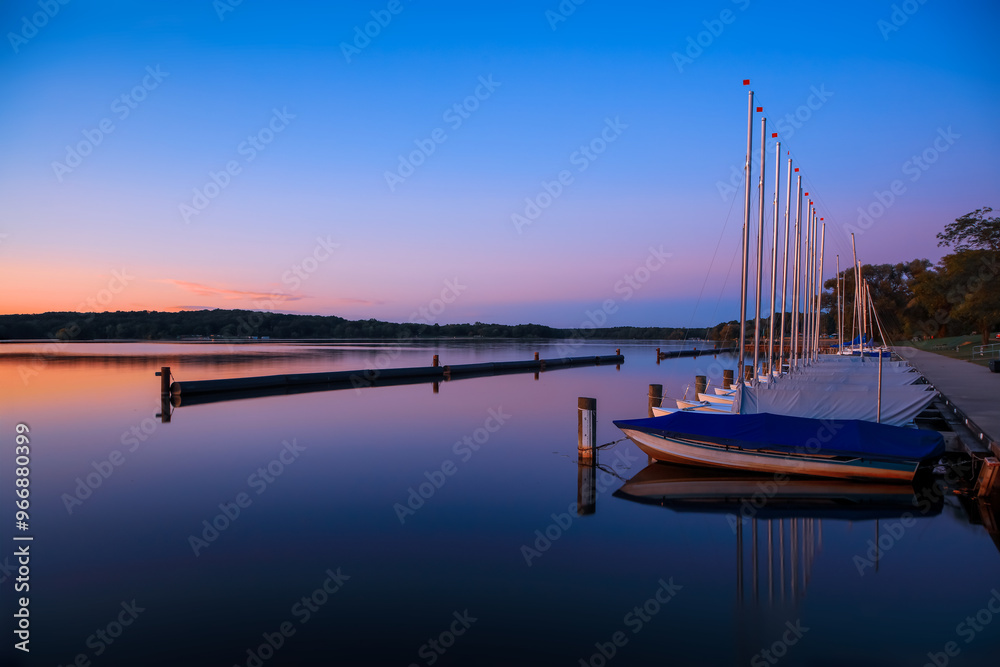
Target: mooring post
(655,397)
(435,361)
(748,372)
(164,374)
(586,427)
(536,356)
(700,384)
(657,356)
(727,379)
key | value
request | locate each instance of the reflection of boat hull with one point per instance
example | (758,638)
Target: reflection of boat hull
(693,449)
(688,489)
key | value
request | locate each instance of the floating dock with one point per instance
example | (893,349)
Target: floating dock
(205,391)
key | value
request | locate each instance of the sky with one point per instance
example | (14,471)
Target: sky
(561,163)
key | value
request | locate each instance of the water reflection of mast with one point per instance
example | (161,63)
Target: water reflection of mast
(805,542)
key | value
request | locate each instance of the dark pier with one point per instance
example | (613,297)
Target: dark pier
(209,391)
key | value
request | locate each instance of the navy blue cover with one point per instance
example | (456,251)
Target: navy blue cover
(798,435)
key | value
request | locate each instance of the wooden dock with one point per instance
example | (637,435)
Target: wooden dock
(969,392)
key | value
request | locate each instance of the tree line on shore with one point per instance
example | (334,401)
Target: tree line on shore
(247,324)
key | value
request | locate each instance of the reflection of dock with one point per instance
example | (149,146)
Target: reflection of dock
(210,391)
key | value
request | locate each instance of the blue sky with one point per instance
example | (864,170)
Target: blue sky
(311,224)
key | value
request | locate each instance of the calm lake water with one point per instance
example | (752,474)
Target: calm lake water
(399,526)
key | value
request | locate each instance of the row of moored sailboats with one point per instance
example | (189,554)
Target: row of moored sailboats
(845,415)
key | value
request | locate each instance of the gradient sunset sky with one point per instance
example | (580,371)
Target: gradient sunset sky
(309,115)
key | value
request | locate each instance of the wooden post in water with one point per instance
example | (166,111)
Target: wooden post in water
(748,372)
(164,374)
(435,364)
(655,397)
(657,356)
(727,379)
(586,427)
(700,384)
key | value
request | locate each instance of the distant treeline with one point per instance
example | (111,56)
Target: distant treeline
(155,325)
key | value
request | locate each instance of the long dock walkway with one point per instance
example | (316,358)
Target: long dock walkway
(972,390)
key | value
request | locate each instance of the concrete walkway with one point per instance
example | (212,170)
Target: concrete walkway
(971,388)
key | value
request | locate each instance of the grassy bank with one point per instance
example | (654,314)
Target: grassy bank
(956,347)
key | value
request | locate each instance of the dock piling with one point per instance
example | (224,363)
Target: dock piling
(700,384)
(164,374)
(586,427)
(727,379)
(989,475)
(655,397)
(435,363)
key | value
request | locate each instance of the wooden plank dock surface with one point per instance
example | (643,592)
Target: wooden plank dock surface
(971,391)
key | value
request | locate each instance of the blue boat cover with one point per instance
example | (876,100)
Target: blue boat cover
(796,435)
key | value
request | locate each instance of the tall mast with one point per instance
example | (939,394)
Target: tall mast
(796,273)
(819,289)
(760,250)
(864,310)
(746,240)
(840,332)
(774,258)
(807,292)
(784,270)
(856,316)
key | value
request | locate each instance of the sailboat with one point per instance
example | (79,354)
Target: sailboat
(805,432)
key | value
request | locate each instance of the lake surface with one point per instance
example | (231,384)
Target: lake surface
(403,525)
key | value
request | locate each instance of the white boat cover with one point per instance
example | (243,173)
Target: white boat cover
(900,405)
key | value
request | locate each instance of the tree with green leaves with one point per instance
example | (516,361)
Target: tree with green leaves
(973,231)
